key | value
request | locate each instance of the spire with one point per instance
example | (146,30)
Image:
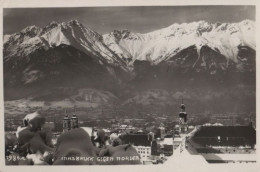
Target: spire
(182,105)
(74,114)
(183,118)
(74,119)
(66,122)
(66,115)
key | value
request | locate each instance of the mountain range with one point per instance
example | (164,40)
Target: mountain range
(55,62)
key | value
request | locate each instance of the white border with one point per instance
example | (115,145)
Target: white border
(126,168)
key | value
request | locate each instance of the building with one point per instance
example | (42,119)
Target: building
(183,122)
(154,148)
(74,121)
(70,123)
(223,144)
(160,132)
(144,152)
(166,146)
(176,142)
(226,136)
(141,142)
(166,150)
(66,123)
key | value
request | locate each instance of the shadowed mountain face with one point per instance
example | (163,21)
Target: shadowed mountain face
(59,61)
(57,67)
(189,69)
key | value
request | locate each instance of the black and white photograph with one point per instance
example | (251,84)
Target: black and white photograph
(129,85)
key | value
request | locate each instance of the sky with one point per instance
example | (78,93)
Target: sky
(137,19)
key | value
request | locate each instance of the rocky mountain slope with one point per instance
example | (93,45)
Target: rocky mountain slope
(56,62)
(164,44)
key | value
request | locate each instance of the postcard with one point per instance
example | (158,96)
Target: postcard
(128,86)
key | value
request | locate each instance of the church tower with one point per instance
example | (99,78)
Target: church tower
(66,122)
(183,123)
(74,120)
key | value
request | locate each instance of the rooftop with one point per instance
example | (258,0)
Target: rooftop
(137,139)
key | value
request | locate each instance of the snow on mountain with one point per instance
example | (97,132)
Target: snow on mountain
(6,38)
(160,45)
(43,62)
(122,48)
(72,33)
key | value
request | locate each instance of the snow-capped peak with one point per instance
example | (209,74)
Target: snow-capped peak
(32,28)
(123,47)
(6,38)
(54,34)
(50,26)
(73,22)
(160,45)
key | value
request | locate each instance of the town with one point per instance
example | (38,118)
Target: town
(156,138)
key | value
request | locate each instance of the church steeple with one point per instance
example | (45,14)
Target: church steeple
(74,120)
(182,105)
(66,122)
(183,118)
